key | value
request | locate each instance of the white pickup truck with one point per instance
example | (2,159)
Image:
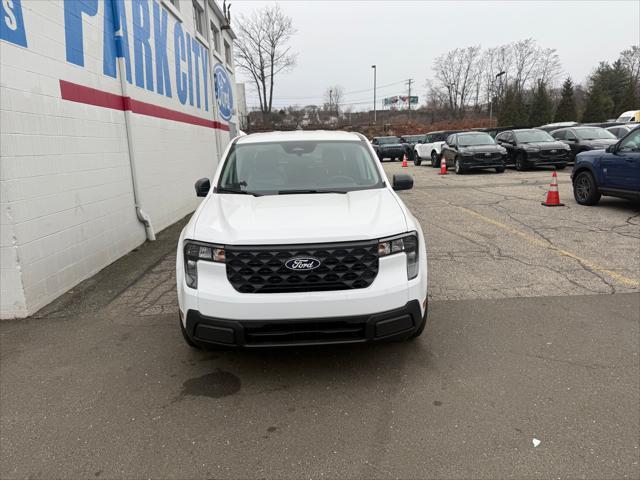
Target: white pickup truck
(430,148)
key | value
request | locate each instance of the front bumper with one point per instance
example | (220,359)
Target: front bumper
(393,324)
(473,164)
(394,152)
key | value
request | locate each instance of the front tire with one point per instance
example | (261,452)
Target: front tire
(561,166)
(499,169)
(458,167)
(521,163)
(434,160)
(585,190)
(417,161)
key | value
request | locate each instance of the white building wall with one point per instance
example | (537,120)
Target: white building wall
(66,195)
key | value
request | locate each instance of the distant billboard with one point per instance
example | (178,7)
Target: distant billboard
(399,101)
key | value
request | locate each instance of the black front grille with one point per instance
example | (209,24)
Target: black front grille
(550,154)
(484,157)
(261,269)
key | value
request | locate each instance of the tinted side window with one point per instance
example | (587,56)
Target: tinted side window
(631,143)
(560,135)
(451,140)
(501,137)
(569,135)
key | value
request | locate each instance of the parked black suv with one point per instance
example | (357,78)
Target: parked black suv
(388,147)
(531,147)
(473,150)
(409,142)
(581,139)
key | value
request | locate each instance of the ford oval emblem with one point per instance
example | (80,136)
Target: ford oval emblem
(302,264)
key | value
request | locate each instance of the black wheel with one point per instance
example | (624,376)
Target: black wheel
(499,169)
(561,166)
(585,190)
(417,161)
(458,167)
(434,160)
(186,337)
(521,163)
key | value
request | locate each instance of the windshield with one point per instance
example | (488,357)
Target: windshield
(530,136)
(385,140)
(467,139)
(298,167)
(593,133)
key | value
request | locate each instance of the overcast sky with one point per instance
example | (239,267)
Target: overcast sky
(338,41)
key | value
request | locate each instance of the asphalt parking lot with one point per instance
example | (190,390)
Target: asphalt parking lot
(533,334)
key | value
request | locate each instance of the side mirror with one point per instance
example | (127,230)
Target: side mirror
(202,187)
(611,148)
(402,182)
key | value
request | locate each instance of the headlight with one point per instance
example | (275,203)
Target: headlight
(567,147)
(195,252)
(407,243)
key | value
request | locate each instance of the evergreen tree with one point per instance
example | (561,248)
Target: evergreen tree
(566,111)
(512,110)
(598,105)
(541,111)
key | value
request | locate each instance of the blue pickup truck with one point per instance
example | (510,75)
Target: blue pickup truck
(614,171)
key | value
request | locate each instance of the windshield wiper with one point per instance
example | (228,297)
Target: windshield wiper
(294,192)
(233,190)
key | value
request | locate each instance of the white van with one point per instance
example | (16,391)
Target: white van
(630,116)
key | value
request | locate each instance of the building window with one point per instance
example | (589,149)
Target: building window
(198,17)
(175,3)
(227,52)
(215,33)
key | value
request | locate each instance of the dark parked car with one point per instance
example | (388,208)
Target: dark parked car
(409,142)
(614,171)
(530,147)
(388,147)
(581,139)
(621,130)
(472,151)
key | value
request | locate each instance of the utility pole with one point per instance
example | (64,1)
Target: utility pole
(374,94)
(409,82)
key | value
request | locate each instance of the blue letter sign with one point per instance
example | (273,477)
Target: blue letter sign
(12,23)
(224,94)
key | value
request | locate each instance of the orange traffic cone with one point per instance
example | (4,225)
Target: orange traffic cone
(404,161)
(443,166)
(553,197)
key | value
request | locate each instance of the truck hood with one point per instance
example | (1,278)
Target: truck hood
(232,219)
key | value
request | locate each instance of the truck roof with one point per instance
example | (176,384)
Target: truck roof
(299,136)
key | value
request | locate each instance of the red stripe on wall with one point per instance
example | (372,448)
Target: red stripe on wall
(91,96)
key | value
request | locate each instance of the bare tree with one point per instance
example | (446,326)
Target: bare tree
(333,98)
(456,75)
(262,51)
(630,60)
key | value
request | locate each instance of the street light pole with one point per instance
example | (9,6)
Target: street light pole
(491,97)
(375,111)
